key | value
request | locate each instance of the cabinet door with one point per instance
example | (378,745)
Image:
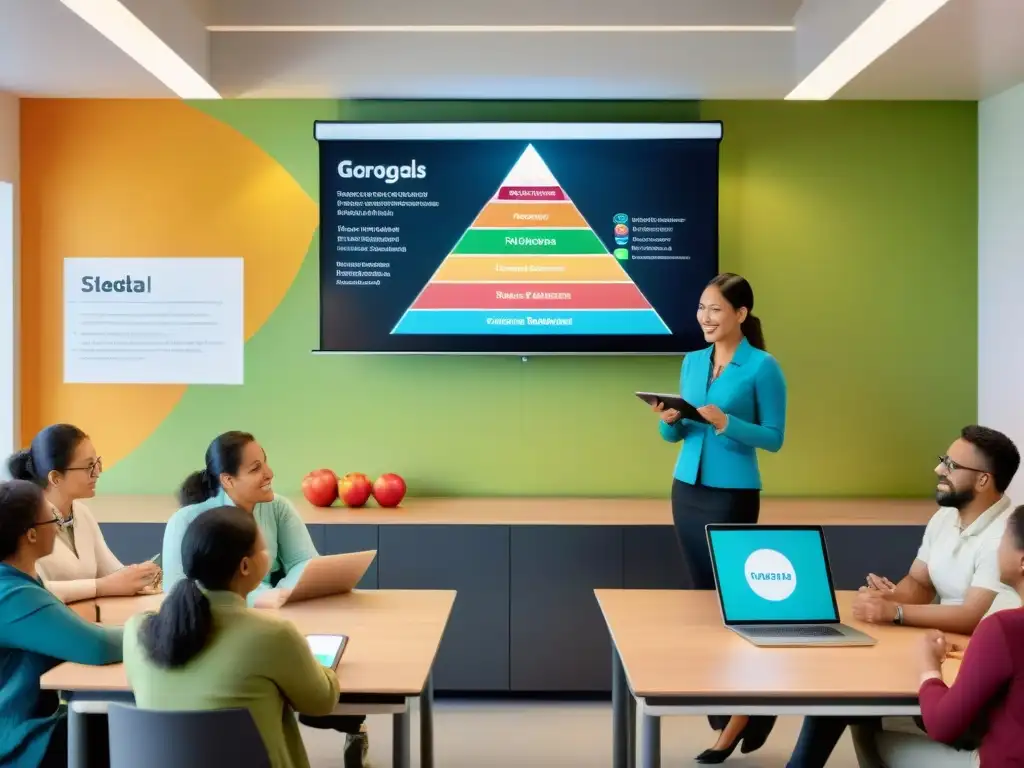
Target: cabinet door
(134,542)
(472,559)
(560,641)
(854,551)
(653,559)
(340,538)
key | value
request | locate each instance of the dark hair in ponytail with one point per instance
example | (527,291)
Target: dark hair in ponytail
(213,546)
(223,456)
(51,450)
(738,292)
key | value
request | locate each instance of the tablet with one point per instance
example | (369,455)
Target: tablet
(327,649)
(672,401)
(330,575)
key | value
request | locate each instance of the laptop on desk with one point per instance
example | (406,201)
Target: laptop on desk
(775,586)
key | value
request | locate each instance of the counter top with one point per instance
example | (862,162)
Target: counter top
(546,511)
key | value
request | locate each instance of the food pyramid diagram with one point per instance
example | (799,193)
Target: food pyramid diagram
(530,264)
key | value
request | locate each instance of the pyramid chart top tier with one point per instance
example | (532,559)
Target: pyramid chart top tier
(530,264)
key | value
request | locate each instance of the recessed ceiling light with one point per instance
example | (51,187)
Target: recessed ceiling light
(891,22)
(121,27)
(501,28)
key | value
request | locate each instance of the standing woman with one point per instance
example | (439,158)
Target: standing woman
(740,390)
(63,462)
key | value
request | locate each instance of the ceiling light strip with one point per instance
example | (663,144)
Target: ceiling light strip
(121,27)
(891,22)
(501,28)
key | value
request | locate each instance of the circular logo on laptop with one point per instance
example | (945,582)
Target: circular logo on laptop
(770,574)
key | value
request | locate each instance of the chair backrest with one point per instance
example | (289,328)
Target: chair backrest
(209,739)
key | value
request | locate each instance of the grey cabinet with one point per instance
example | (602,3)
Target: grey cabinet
(559,640)
(133,542)
(652,558)
(473,559)
(339,539)
(854,551)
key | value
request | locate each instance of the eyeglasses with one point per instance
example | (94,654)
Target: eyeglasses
(60,522)
(952,466)
(93,468)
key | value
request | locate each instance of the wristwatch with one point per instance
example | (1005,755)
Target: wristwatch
(899,615)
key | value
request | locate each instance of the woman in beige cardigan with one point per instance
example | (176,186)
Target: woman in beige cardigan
(63,462)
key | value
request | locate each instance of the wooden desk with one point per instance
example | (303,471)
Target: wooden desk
(673,654)
(394,637)
(534,511)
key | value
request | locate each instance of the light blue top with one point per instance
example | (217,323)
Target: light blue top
(38,632)
(751,391)
(288,541)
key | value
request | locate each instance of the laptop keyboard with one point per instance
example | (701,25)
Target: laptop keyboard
(813,630)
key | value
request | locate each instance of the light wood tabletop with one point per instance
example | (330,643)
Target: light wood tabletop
(393,639)
(549,511)
(673,643)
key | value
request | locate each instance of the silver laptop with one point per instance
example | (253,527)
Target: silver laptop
(775,586)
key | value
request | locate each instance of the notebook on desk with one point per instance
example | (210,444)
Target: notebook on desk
(775,586)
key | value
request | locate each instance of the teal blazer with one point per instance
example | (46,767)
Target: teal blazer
(38,632)
(751,391)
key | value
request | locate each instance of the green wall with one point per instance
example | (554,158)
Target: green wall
(855,222)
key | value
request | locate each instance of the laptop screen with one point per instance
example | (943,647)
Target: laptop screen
(772,575)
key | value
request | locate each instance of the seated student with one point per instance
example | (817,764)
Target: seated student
(63,462)
(988,695)
(38,632)
(206,649)
(954,581)
(237,474)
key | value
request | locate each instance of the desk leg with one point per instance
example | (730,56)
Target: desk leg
(400,756)
(78,749)
(427,724)
(631,727)
(620,712)
(650,755)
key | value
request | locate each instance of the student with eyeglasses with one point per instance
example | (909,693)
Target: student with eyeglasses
(953,583)
(38,632)
(63,462)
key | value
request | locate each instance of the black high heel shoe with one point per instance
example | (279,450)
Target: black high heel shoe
(716,756)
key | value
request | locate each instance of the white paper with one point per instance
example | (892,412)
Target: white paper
(153,321)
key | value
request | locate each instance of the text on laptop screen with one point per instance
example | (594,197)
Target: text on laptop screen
(772,575)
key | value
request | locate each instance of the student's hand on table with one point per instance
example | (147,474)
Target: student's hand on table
(668,415)
(879,584)
(273,599)
(714,415)
(932,651)
(130,580)
(872,607)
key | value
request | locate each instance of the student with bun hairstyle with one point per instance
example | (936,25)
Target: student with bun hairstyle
(236,473)
(206,650)
(739,389)
(63,462)
(38,632)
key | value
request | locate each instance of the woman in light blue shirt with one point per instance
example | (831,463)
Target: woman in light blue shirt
(740,391)
(237,474)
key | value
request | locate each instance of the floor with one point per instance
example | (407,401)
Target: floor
(513,734)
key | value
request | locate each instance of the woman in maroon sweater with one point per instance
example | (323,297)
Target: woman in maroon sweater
(988,695)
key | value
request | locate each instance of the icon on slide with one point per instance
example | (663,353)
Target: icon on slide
(531,264)
(770,575)
(621,230)
(620,218)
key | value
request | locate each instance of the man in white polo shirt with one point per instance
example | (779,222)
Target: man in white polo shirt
(954,580)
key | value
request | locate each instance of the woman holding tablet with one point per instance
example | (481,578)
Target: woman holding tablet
(175,659)
(740,391)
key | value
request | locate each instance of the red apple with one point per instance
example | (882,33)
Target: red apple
(389,490)
(354,489)
(320,487)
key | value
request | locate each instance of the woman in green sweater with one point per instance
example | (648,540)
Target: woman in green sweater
(38,632)
(206,649)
